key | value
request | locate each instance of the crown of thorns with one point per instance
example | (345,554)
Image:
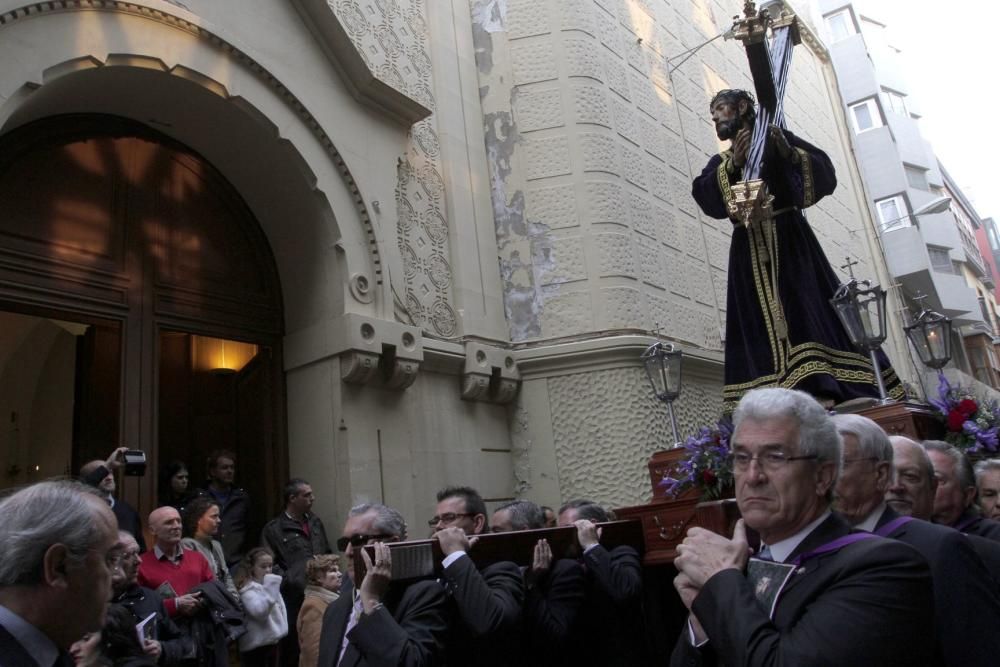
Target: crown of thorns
(733,96)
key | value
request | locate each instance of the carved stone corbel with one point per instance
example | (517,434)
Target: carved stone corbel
(358,367)
(475,386)
(403,374)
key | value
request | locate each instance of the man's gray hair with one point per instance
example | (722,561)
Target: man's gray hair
(387,520)
(524,514)
(38,516)
(817,433)
(985,466)
(872,440)
(963,467)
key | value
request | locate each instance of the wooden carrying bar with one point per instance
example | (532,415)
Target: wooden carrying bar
(418,559)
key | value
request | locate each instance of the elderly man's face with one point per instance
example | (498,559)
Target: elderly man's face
(165,523)
(951,499)
(989,493)
(912,490)
(88,583)
(862,482)
(362,525)
(130,559)
(778,502)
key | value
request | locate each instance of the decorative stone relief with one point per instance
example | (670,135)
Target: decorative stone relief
(606,425)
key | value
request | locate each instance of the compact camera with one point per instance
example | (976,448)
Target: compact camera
(135,462)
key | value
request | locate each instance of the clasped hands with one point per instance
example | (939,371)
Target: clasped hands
(702,555)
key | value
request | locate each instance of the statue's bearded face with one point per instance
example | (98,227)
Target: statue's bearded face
(726,116)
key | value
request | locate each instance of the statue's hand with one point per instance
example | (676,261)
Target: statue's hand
(780,141)
(741,146)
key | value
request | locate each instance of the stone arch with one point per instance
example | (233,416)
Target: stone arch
(157,64)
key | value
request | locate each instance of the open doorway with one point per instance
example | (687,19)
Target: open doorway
(59,393)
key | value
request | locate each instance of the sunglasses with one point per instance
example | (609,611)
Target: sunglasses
(360,540)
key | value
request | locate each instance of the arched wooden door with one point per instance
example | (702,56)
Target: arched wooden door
(108,223)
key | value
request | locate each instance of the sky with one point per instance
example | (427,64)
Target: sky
(948,50)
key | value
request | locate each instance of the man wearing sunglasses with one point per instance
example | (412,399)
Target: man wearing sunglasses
(485,607)
(840,597)
(381,622)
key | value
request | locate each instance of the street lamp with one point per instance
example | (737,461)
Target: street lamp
(939,205)
(930,334)
(663,368)
(860,305)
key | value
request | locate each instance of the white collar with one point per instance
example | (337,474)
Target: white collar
(782,549)
(872,519)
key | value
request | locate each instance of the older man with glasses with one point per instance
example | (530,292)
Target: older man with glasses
(169,646)
(828,595)
(381,622)
(966,612)
(486,605)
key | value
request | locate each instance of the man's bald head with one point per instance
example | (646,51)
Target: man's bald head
(913,484)
(165,524)
(107,484)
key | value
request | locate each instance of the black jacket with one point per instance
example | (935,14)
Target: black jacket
(175,646)
(971,524)
(869,603)
(966,608)
(612,610)
(485,608)
(551,612)
(408,631)
(292,548)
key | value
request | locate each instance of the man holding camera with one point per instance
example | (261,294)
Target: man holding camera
(101,475)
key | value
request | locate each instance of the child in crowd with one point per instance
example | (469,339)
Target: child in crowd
(266,617)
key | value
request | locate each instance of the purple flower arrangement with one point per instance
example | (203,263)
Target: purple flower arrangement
(707,464)
(970,424)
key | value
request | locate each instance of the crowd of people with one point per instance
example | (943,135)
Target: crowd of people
(853,548)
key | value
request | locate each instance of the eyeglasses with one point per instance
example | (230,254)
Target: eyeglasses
(771,461)
(360,540)
(447,517)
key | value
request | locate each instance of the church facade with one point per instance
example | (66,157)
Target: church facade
(440,233)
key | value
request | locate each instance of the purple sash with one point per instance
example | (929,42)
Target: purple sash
(830,547)
(893,525)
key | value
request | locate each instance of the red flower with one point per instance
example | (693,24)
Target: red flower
(967,407)
(955,420)
(708,477)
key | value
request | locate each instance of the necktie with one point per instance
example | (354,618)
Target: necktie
(764,553)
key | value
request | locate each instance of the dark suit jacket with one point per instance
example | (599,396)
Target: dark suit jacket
(967,611)
(989,552)
(485,608)
(141,602)
(869,603)
(551,611)
(12,654)
(612,610)
(408,631)
(976,525)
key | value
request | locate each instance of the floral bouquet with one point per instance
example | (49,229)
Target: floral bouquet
(707,464)
(971,424)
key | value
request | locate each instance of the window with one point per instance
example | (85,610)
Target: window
(940,260)
(894,102)
(841,25)
(892,213)
(916,177)
(866,115)
(992,234)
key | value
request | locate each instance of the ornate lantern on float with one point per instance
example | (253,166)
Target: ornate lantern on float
(663,368)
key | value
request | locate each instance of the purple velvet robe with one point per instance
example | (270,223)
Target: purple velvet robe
(815,355)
